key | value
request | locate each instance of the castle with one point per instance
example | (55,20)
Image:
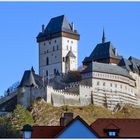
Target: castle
(106,78)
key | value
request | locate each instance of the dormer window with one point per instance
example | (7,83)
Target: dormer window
(112,130)
(112,133)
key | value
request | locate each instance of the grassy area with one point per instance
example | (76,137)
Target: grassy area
(45,114)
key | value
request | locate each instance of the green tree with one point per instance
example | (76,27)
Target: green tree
(6,129)
(20,117)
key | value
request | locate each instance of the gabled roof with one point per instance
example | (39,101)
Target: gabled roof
(73,121)
(46,131)
(128,128)
(135,60)
(70,54)
(131,64)
(102,51)
(125,63)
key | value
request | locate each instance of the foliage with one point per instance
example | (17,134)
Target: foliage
(20,117)
(46,114)
(6,128)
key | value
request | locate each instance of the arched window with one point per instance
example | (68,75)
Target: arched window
(47,61)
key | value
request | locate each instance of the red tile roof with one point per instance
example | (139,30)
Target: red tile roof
(46,131)
(129,128)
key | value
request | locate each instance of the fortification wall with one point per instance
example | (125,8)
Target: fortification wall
(26,95)
(85,95)
(60,97)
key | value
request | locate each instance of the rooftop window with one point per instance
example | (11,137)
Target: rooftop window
(112,133)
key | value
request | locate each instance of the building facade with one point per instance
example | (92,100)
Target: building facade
(58,47)
(107,78)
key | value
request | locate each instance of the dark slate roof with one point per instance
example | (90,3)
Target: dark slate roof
(70,54)
(106,68)
(131,64)
(31,79)
(125,63)
(57,24)
(101,51)
(135,60)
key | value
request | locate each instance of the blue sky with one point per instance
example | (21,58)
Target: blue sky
(20,22)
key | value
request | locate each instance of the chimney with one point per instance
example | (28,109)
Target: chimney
(72,25)
(66,118)
(43,28)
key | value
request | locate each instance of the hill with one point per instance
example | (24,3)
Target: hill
(45,114)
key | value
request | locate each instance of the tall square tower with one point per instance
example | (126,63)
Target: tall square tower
(58,47)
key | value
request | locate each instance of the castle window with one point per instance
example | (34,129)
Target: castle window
(53,48)
(46,72)
(98,83)
(115,85)
(55,41)
(111,84)
(44,43)
(67,47)
(54,71)
(63,59)
(47,61)
(121,86)
(71,41)
(104,84)
(47,51)
(57,47)
(68,41)
(71,48)
(49,42)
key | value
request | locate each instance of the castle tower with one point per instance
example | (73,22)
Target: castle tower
(58,47)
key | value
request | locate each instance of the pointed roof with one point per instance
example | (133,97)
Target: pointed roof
(78,118)
(70,54)
(28,79)
(102,51)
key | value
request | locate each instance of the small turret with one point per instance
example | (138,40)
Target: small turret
(103,37)
(72,26)
(43,28)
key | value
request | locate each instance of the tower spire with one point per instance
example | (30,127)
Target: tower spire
(103,37)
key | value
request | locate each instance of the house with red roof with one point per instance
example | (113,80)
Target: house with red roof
(117,128)
(77,128)
(69,128)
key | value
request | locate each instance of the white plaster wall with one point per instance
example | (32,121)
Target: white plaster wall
(67,45)
(56,56)
(53,50)
(85,95)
